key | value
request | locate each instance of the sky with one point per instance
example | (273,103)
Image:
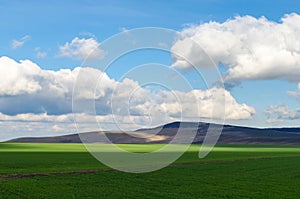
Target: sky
(45,46)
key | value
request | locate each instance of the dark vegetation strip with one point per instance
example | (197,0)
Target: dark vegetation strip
(30,175)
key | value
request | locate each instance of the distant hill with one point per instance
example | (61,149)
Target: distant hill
(164,134)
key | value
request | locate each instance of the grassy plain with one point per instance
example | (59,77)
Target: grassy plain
(230,171)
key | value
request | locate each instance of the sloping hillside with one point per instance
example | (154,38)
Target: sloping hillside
(165,133)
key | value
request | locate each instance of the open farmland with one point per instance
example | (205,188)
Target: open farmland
(69,171)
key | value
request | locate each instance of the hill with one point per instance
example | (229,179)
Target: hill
(165,133)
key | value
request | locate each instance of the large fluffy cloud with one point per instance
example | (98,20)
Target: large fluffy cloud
(212,103)
(33,98)
(18,77)
(27,88)
(251,48)
(81,48)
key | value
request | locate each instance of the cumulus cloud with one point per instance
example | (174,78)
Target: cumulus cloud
(212,103)
(18,77)
(31,94)
(19,43)
(280,113)
(81,48)
(251,48)
(26,88)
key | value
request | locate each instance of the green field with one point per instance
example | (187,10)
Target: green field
(230,171)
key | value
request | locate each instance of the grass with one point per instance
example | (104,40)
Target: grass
(230,171)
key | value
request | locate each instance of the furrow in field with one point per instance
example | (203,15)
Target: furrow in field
(30,175)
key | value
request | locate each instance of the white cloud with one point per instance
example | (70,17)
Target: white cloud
(18,77)
(280,113)
(57,128)
(251,48)
(16,129)
(19,43)
(81,48)
(30,117)
(39,53)
(31,94)
(212,100)
(295,94)
(214,103)
(26,88)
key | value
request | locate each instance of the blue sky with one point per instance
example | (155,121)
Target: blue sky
(43,27)
(51,24)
